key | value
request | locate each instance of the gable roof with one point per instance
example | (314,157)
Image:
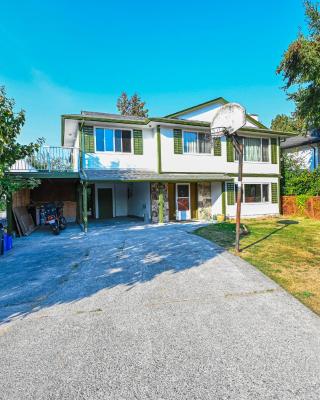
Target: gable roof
(217,100)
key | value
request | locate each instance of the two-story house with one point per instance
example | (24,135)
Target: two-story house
(160,169)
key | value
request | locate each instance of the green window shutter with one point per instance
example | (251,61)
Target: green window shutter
(274,151)
(177,141)
(88,139)
(230,194)
(217,147)
(274,193)
(137,142)
(230,150)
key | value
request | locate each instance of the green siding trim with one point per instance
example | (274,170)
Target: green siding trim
(161,207)
(143,121)
(177,141)
(230,193)
(274,151)
(137,142)
(274,193)
(159,149)
(44,175)
(217,147)
(223,192)
(230,150)
(88,139)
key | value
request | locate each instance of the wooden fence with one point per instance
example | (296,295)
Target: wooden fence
(311,208)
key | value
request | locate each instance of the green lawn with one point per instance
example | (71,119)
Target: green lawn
(287,250)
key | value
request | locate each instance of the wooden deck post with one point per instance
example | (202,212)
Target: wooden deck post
(85,206)
(9,214)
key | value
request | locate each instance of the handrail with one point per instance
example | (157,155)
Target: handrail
(49,159)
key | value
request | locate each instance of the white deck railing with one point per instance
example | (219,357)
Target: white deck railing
(50,159)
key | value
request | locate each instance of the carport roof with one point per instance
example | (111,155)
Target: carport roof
(129,175)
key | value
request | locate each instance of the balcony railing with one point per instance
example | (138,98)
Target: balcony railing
(50,159)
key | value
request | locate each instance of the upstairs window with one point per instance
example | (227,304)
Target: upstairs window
(194,142)
(255,149)
(113,140)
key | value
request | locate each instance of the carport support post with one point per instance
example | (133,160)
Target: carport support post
(85,206)
(9,214)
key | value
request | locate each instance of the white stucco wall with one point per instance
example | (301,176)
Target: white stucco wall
(139,203)
(302,155)
(206,162)
(216,192)
(205,114)
(148,160)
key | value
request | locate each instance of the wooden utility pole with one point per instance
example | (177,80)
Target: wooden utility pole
(239,149)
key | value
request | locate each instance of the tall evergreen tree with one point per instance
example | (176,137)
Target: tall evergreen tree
(131,106)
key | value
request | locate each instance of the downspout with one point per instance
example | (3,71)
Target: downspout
(314,166)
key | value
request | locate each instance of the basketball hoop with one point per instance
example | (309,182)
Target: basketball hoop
(226,121)
(218,132)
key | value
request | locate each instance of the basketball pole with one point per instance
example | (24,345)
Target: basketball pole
(238,146)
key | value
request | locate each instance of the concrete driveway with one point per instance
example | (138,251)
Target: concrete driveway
(136,311)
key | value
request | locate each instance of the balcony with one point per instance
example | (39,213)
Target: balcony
(49,159)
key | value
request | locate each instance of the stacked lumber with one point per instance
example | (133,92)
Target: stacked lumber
(24,221)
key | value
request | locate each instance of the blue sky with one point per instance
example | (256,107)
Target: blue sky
(61,57)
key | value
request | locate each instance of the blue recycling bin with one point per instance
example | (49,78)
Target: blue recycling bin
(7,242)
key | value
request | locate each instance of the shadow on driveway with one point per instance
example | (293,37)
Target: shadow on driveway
(43,270)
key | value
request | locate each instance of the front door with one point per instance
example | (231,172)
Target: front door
(183,201)
(105,203)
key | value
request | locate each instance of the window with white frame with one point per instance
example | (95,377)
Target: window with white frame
(196,142)
(256,192)
(255,149)
(113,140)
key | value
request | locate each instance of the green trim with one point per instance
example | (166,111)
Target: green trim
(267,131)
(274,151)
(197,107)
(159,149)
(44,175)
(88,139)
(218,100)
(230,150)
(229,174)
(138,142)
(161,207)
(180,122)
(230,193)
(217,148)
(177,141)
(143,121)
(223,193)
(274,193)
(62,131)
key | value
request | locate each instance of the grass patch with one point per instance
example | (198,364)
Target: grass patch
(285,250)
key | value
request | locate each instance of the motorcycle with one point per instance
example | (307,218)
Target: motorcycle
(52,214)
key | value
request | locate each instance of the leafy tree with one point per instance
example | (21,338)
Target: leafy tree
(133,106)
(300,68)
(11,151)
(285,123)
